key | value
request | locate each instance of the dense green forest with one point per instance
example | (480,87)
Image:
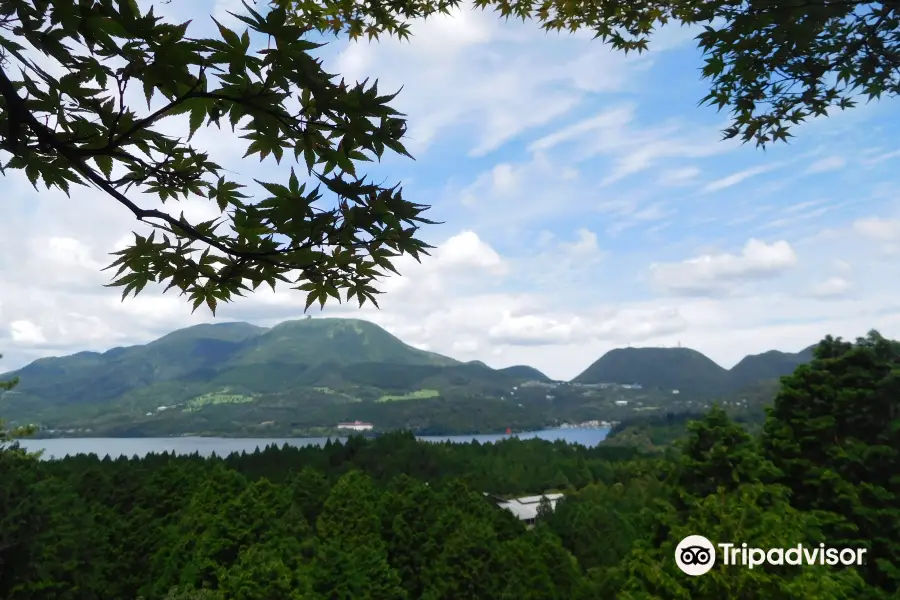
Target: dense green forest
(301,378)
(394,518)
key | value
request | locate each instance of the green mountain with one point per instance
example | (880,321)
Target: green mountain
(768,365)
(242,372)
(524,373)
(663,368)
(689,371)
(302,377)
(338,341)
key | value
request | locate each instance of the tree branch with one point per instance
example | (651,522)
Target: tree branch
(20,113)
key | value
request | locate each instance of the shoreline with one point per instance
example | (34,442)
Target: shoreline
(57,448)
(317,435)
(332,434)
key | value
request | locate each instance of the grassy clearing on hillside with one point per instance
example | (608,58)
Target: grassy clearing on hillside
(416,395)
(222,397)
(342,395)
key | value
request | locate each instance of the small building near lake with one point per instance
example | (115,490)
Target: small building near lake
(356,426)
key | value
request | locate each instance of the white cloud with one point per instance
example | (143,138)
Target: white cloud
(26,332)
(831,163)
(465,346)
(882,232)
(879,158)
(605,120)
(617,326)
(504,178)
(452,80)
(466,251)
(637,150)
(802,207)
(461,257)
(653,212)
(843,266)
(537,330)
(682,176)
(736,178)
(511,194)
(586,244)
(875,228)
(831,288)
(632,147)
(714,272)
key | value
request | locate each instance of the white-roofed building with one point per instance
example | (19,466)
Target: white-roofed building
(356,426)
(526,508)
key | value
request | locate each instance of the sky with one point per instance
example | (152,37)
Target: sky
(587,203)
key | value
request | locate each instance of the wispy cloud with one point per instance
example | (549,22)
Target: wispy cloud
(607,119)
(680,176)
(879,158)
(736,178)
(831,163)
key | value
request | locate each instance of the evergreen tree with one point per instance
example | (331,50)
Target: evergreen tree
(834,433)
(718,454)
(752,513)
(351,558)
(465,568)
(9,435)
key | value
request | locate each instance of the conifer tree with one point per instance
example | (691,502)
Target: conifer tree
(834,434)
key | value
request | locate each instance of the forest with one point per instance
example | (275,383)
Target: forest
(394,518)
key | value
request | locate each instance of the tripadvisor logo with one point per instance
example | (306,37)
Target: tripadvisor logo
(696,555)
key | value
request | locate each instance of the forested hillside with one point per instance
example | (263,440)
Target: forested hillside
(689,371)
(394,518)
(301,378)
(298,377)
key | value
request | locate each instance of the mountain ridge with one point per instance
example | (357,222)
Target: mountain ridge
(315,372)
(805,354)
(235,362)
(218,341)
(688,370)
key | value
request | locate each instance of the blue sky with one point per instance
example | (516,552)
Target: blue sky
(587,203)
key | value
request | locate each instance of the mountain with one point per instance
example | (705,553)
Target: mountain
(339,341)
(299,364)
(689,371)
(301,376)
(662,368)
(524,373)
(768,365)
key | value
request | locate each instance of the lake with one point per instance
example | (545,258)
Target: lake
(115,447)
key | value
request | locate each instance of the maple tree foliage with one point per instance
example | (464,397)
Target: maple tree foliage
(328,229)
(325,229)
(773,64)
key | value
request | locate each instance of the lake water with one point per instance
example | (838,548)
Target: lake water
(115,447)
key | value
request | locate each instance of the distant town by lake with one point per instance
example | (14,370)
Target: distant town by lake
(205,446)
